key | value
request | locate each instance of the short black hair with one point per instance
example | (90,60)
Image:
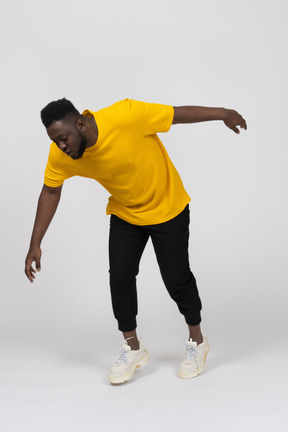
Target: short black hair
(62,109)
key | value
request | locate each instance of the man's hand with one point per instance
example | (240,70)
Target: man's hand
(34,254)
(233,119)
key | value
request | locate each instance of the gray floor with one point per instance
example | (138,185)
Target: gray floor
(62,386)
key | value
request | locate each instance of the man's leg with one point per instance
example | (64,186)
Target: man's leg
(126,246)
(170,240)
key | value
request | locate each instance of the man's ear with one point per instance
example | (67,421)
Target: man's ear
(80,124)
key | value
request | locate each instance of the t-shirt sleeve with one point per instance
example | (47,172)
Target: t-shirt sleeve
(152,117)
(54,174)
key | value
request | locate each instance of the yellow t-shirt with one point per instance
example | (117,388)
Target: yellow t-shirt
(128,160)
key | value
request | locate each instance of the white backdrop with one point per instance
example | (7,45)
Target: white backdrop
(214,53)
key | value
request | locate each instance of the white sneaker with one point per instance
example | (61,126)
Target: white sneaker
(195,356)
(127,362)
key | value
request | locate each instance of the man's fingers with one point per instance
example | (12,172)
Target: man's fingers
(29,270)
(29,274)
(34,255)
(28,267)
(38,265)
(235,119)
(243,123)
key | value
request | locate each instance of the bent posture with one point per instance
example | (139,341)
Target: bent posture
(119,147)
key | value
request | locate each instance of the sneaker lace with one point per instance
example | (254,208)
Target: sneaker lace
(123,356)
(191,353)
(123,353)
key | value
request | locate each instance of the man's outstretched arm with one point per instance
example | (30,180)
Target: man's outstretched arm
(47,205)
(194,114)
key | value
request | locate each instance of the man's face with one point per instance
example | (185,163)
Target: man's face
(68,138)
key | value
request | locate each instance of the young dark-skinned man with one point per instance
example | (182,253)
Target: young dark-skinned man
(118,146)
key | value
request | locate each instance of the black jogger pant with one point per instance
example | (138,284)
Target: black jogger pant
(170,242)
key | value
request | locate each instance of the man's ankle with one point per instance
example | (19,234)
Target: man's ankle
(131,339)
(199,340)
(196,334)
(133,343)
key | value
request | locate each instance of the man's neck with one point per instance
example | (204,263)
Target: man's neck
(92,131)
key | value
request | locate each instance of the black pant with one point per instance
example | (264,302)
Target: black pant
(170,242)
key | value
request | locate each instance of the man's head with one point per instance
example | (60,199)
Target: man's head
(65,126)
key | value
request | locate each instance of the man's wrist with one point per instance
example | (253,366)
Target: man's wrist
(215,113)
(35,243)
(223,113)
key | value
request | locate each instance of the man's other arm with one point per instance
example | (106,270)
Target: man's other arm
(194,114)
(47,205)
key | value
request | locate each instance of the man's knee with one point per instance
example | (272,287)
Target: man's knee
(122,271)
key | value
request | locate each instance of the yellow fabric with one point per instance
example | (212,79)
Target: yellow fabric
(130,161)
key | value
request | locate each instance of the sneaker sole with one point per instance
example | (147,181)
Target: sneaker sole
(128,376)
(200,369)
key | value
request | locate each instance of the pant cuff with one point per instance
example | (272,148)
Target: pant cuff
(193,320)
(127,325)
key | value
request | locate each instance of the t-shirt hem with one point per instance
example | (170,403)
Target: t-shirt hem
(176,213)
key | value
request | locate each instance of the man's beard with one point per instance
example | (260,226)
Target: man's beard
(83,144)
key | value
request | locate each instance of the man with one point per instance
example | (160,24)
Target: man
(119,147)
